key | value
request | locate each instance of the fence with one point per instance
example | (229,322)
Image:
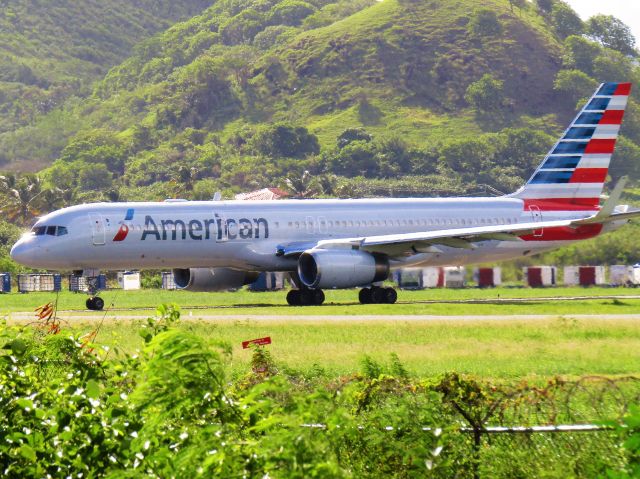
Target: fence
(477,430)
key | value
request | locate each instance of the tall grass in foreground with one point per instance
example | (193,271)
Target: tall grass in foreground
(72,407)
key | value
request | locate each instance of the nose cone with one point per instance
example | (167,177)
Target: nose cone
(25,252)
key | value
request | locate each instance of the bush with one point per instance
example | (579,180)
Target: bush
(574,85)
(484,23)
(486,94)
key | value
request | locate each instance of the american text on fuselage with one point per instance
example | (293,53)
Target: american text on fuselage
(202,230)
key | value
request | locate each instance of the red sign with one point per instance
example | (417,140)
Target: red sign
(256,342)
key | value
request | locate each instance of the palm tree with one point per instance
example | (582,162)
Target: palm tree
(22,199)
(303,186)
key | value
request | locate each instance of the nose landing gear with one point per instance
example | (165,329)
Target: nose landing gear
(377,295)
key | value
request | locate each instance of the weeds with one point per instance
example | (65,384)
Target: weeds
(71,409)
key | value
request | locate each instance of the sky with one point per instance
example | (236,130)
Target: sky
(626,10)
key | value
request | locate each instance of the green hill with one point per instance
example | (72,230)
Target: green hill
(52,50)
(323,97)
(449,96)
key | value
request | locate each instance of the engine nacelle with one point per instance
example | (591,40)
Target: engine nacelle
(212,279)
(341,268)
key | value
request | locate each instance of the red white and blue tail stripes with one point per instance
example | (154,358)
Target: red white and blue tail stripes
(572,175)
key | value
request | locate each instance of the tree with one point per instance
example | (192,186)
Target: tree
(291,12)
(353,134)
(574,84)
(484,23)
(612,33)
(544,5)
(580,53)
(520,4)
(302,186)
(283,140)
(486,94)
(565,21)
(20,204)
(612,66)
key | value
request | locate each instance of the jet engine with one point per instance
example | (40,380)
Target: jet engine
(341,268)
(212,279)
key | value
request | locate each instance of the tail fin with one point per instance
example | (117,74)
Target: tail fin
(572,175)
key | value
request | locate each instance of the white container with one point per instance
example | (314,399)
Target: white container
(454,277)
(433,277)
(620,274)
(571,275)
(129,280)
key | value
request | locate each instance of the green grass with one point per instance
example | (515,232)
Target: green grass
(344,302)
(499,349)
(490,349)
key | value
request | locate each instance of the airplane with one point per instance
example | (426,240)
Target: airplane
(346,243)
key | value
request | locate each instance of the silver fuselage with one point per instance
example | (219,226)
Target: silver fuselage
(247,234)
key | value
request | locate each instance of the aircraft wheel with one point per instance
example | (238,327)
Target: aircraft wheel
(378,295)
(95,304)
(391,295)
(365,296)
(98,304)
(294,297)
(307,297)
(318,297)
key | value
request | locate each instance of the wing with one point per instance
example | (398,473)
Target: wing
(413,243)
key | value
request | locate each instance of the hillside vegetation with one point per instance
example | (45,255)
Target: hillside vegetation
(52,50)
(332,98)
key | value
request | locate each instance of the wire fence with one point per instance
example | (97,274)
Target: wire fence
(565,428)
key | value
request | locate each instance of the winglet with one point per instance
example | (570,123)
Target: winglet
(609,205)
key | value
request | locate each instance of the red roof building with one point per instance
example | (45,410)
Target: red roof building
(263,194)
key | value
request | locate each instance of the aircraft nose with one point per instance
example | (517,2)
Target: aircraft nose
(23,252)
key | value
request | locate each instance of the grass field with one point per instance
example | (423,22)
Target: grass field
(344,302)
(491,349)
(500,349)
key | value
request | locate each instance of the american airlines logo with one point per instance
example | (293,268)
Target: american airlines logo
(217,228)
(123,231)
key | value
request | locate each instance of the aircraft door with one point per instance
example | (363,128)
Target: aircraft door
(97,229)
(536,216)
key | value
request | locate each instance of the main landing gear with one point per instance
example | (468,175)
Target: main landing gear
(305,297)
(377,295)
(95,304)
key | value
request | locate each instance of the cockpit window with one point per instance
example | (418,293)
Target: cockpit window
(49,230)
